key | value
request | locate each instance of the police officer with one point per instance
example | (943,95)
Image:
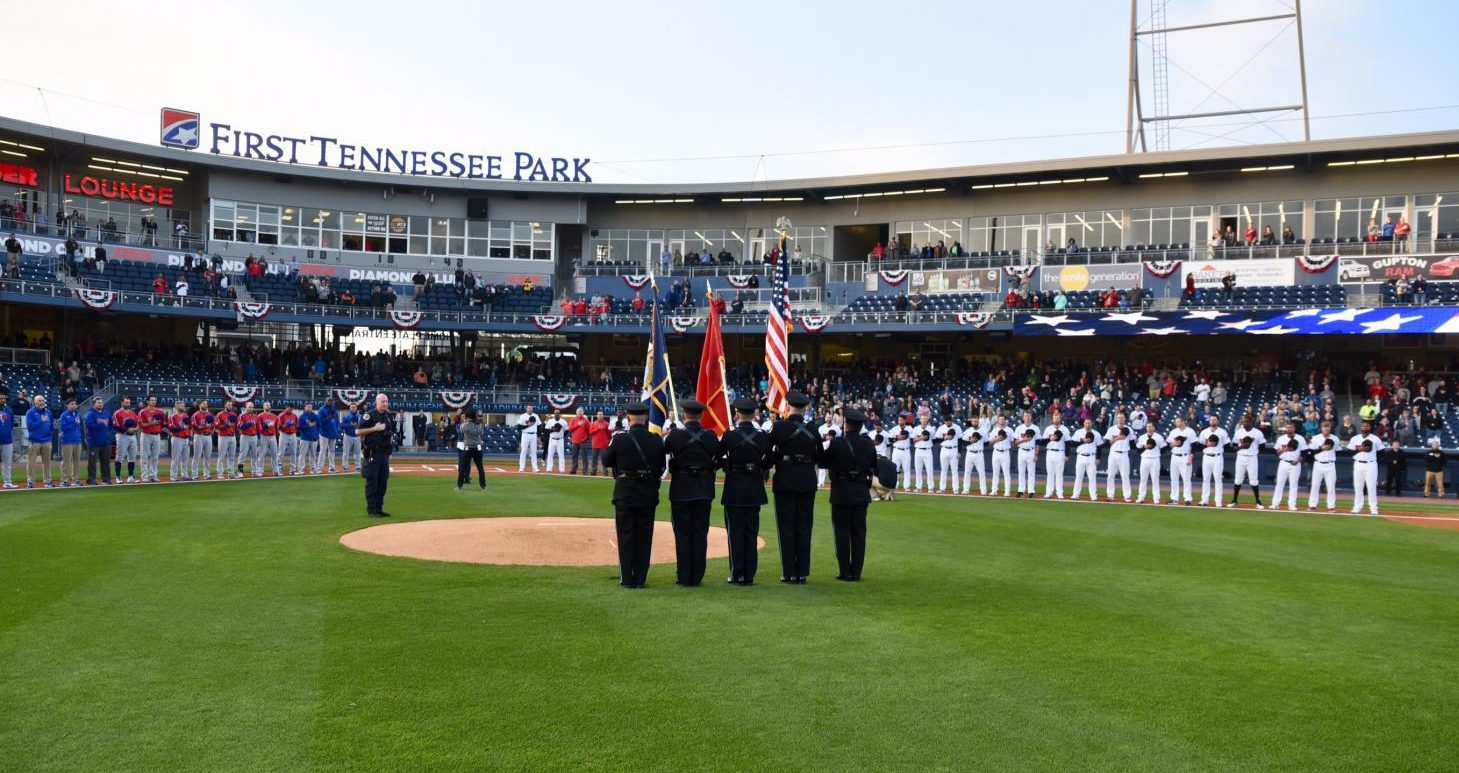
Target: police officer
(636,459)
(795,451)
(693,452)
(743,455)
(376,429)
(851,463)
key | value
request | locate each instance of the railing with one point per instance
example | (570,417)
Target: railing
(92,232)
(10,355)
(297,393)
(808,264)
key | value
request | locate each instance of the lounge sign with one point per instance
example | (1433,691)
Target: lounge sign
(119,190)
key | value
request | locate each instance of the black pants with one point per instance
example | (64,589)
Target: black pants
(463,467)
(377,478)
(794,514)
(98,455)
(691,539)
(743,525)
(1393,484)
(635,542)
(579,454)
(597,458)
(849,523)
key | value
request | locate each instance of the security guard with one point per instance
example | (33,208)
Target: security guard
(376,430)
(693,451)
(636,458)
(795,451)
(851,463)
(743,455)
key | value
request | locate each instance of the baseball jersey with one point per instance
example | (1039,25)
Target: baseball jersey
(1090,446)
(828,432)
(151,420)
(1004,443)
(348,423)
(1257,439)
(202,422)
(1138,421)
(289,422)
(7,426)
(1150,445)
(976,437)
(1222,438)
(1298,443)
(1020,431)
(248,423)
(1181,452)
(309,426)
(903,437)
(1056,434)
(917,441)
(328,422)
(268,424)
(179,425)
(528,424)
(1360,455)
(1190,435)
(883,443)
(555,428)
(1118,445)
(226,422)
(947,436)
(125,421)
(1324,456)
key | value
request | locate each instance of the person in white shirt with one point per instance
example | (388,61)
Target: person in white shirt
(1213,461)
(1324,447)
(882,441)
(1365,447)
(766,422)
(618,424)
(1149,445)
(922,443)
(556,430)
(1138,420)
(1024,438)
(1289,447)
(1203,392)
(1086,460)
(828,432)
(1248,442)
(975,438)
(527,446)
(947,436)
(1055,437)
(1182,440)
(1119,438)
(902,453)
(1001,436)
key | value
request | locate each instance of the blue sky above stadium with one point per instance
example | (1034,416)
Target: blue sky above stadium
(673,92)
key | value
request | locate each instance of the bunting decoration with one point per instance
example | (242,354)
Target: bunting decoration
(974,318)
(813,323)
(350,396)
(685,324)
(738,281)
(549,324)
(240,394)
(560,401)
(96,300)
(1162,268)
(1316,264)
(894,278)
(456,400)
(406,319)
(253,311)
(637,281)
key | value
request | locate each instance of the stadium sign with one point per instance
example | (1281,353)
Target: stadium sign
(1381,268)
(180,129)
(1076,278)
(956,280)
(1270,272)
(15,174)
(118,190)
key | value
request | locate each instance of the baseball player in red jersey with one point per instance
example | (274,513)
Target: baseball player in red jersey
(288,440)
(124,422)
(268,441)
(179,426)
(150,419)
(202,452)
(225,422)
(249,443)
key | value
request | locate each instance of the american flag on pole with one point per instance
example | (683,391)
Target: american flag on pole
(777,332)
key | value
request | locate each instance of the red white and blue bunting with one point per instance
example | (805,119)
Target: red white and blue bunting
(1162,268)
(240,394)
(637,281)
(456,400)
(974,318)
(685,324)
(1020,272)
(560,401)
(894,278)
(738,281)
(252,310)
(98,300)
(1316,264)
(351,396)
(549,324)
(813,323)
(406,319)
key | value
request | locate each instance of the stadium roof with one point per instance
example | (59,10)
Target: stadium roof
(1117,167)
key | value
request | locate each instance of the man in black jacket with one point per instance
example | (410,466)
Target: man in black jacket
(636,458)
(795,452)
(693,452)
(743,455)
(850,462)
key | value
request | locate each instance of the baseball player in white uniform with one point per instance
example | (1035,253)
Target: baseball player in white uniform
(556,430)
(948,435)
(1248,442)
(1365,447)
(1149,445)
(975,437)
(1055,436)
(1181,462)
(1214,440)
(1024,437)
(902,454)
(1289,447)
(1138,419)
(527,446)
(1119,437)
(1324,447)
(1002,438)
(882,441)
(922,443)
(828,432)
(1086,460)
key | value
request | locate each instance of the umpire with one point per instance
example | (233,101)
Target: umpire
(850,462)
(376,430)
(795,451)
(743,452)
(693,451)
(636,458)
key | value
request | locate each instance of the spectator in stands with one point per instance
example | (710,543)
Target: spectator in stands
(1072,245)
(1268,237)
(1218,393)
(418,280)
(99,258)
(567,305)
(738,306)
(1400,290)
(902,304)
(13,249)
(1137,297)
(1374,231)
(149,230)
(419,377)
(40,221)
(725,257)
(1249,236)
(666,258)
(179,232)
(1228,284)
(580,307)
(917,301)
(1401,232)
(638,302)
(109,230)
(1109,299)
(1388,227)
(1214,244)
(388,296)
(1419,288)
(1190,287)
(956,250)
(181,288)
(346,297)
(877,252)
(1230,236)
(72,248)
(159,285)
(527,285)
(1061,301)
(1287,236)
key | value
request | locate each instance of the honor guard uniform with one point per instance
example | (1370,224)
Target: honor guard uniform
(743,454)
(795,452)
(636,459)
(850,463)
(376,431)
(693,457)
(1213,442)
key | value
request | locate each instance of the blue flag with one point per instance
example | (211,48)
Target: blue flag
(658,385)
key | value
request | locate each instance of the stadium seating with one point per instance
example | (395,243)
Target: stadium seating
(1302,296)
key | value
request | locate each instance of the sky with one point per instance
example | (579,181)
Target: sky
(664,92)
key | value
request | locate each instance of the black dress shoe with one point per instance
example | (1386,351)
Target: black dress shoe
(788,580)
(845,578)
(377,515)
(800,581)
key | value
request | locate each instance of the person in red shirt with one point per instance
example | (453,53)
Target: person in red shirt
(1250,234)
(1011,301)
(1110,299)
(268,441)
(580,307)
(638,302)
(179,426)
(578,428)
(124,421)
(288,439)
(226,422)
(150,419)
(202,451)
(600,433)
(159,285)
(567,306)
(250,446)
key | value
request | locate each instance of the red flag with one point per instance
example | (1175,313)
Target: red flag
(710,388)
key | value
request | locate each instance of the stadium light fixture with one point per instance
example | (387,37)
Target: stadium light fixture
(1284,167)
(755,199)
(1153,175)
(14,153)
(1111,218)
(1084,222)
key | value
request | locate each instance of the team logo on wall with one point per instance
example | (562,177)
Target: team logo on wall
(456,400)
(406,319)
(180,128)
(98,300)
(252,310)
(240,394)
(351,396)
(560,401)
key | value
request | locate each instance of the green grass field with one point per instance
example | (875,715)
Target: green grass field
(223,627)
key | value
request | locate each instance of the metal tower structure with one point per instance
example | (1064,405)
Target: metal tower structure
(1157,35)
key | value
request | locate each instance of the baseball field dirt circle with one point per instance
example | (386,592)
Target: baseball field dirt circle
(517,541)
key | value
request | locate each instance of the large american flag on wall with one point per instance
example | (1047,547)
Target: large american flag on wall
(777,330)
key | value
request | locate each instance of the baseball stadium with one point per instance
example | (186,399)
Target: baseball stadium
(327,452)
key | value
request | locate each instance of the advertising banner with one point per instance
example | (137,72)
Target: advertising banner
(1272,272)
(965,280)
(1381,268)
(1076,278)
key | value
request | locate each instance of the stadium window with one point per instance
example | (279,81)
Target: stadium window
(1435,213)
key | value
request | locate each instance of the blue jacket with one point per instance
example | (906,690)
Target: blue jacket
(98,428)
(348,424)
(308,426)
(7,426)
(70,428)
(38,424)
(329,422)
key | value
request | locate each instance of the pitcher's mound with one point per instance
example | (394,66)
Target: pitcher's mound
(517,541)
